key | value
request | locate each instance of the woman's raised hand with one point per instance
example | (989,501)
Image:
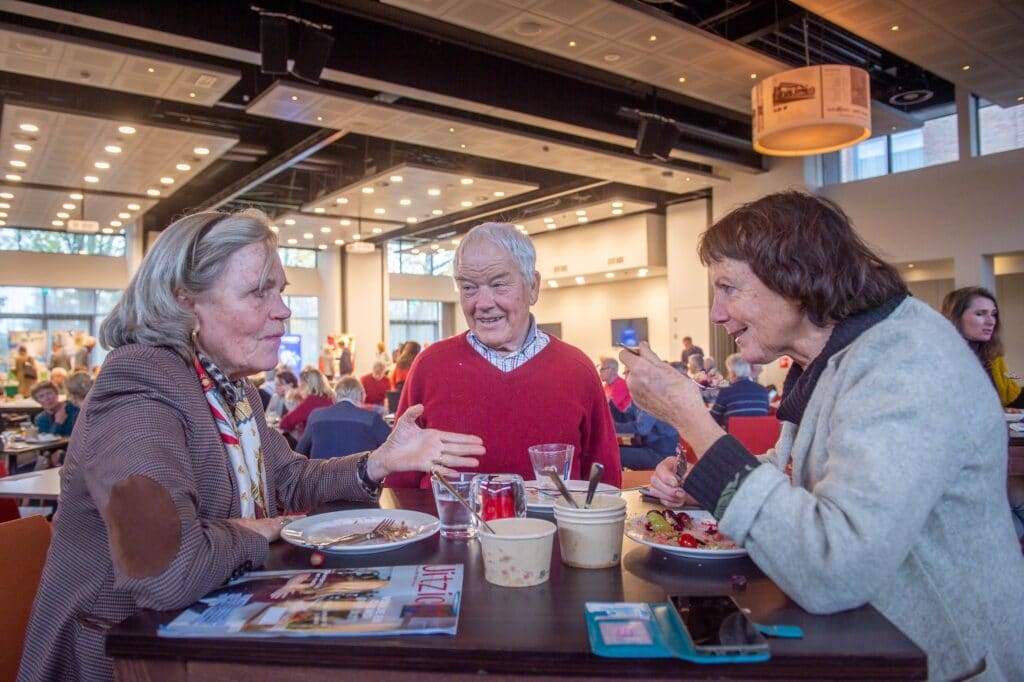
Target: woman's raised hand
(411,448)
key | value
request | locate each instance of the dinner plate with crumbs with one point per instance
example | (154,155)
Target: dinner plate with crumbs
(408,527)
(1014,416)
(699,525)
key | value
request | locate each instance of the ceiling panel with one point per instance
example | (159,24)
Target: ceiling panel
(282,101)
(584,213)
(63,58)
(31,207)
(944,36)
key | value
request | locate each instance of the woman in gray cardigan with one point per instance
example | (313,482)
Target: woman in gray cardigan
(897,496)
(173,481)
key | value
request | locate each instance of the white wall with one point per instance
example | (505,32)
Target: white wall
(586,312)
(687,281)
(365,294)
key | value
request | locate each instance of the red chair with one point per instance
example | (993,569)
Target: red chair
(8,507)
(758,434)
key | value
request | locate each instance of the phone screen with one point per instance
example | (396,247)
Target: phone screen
(717,625)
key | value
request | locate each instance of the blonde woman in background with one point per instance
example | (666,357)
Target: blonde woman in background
(316,392)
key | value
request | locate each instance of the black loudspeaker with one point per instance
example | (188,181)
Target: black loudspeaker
(314,50)
(273,44)
(656,138)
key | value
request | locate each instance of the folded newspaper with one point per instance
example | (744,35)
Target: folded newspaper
(330,602)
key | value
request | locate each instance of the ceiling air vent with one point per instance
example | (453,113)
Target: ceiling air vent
(561,268)
(615,261)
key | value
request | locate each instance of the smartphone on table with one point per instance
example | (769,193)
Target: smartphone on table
(717,626)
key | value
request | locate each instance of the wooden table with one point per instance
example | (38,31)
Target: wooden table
(37,485)
(14,452)
(537,632)
(25,406)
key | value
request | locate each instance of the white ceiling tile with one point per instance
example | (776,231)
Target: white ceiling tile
(479,15)
(614,21)
(567,11)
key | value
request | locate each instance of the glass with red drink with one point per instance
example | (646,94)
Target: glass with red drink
(499,496)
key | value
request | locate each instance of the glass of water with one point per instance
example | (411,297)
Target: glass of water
(456,521)
(557,456)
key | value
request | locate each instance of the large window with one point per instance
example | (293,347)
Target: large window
(305,314)
(933,143)
(1000,129)
(412,320)
(53,310)
(297,258)
(410,258)
(53,241)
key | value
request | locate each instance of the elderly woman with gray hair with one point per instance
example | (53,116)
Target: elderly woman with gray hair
(173,482)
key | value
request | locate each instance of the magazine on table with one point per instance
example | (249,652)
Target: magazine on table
(328,602)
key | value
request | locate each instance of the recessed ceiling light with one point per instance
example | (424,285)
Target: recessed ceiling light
(581,280)
(289,221)
(642,272)
(966,67)
(341,200)
(582,219)
(396,178)
(616,211)
(62,214)
(275,228)
(894,27)
(192,95)
(22,147)
(367,190)
(415,252)
(682,79)
(462,146)
(57,223)
(322,246)
(753,76)
(69,206)
(466,204)
(910,266)
(3,214)
(498,193)
(295,98)
(201,151)
(6,195)
(434,246)
(91,178)
(133,207)
(549,220)
(293,241)
(551,226)
(29,127)
(77,196)
(107,230)
(12,177)
(102,165)
(124,216)
(466,181)
(553,283)
(380,211)
(183,167)
(3,222)
(4,204)
(412,219)
(405,202)
(357,236)
(436,211)
(581,212)
(339,242)
(319,209)
(687,178)
(456,241)
(652,38)
(126,130)
(377,230)
(319,118)
(612,57)
(325,229)
(434,192)
(150,69)
(167,181)
(112,149)
(344,222)
(153,192)
(616,204)
(609,275)
(1021,98)
(115,223)
(18,163)
(307,235)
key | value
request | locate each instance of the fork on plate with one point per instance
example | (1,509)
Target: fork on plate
(380,529)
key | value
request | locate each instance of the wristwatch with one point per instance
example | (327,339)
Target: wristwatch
(369,487)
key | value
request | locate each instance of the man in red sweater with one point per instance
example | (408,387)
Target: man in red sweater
(504,380)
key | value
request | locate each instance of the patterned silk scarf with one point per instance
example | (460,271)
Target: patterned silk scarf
(241,439)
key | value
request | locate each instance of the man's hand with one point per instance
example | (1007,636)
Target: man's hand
(61,415)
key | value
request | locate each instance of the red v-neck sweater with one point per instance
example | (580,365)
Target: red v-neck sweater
(556,397)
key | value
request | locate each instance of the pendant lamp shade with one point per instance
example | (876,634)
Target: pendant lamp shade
(811,110)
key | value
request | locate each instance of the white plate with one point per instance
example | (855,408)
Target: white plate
(543,498)
(1014,416)
(311,530)
(690,552)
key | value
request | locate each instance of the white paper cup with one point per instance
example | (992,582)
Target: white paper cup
(591,538)
(518,553)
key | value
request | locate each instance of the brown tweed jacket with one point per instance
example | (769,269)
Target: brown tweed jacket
(146,493)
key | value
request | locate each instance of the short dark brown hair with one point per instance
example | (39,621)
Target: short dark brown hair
(804,247)
(956,304)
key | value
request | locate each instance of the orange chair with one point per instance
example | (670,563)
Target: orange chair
(758,434)
(23,546)
(8,507)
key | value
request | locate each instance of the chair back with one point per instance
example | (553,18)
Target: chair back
(393,397)
(23,546)
(8,507)
(757,434)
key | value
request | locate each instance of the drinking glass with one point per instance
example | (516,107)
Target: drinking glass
(551,455)
(499,496)
(456,521)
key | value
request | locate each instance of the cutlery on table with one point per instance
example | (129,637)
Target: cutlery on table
(380,529)
(553,475)
(462,501)
(596,471)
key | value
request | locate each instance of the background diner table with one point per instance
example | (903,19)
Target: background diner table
(36,485)
(537,631)
(21,450)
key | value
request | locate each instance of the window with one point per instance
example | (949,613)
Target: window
(933,143)
(304,322)
(54,310)
(411,258)
(1000,129)
(297,258)
(52,241)
(412,320)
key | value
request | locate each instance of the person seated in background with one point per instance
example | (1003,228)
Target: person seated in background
(743,397)
(316,392)
(689,349)
(285,382)
(504,379)
(376,385)
(711,373)
(657,439)
(59,379)
(695,369)
(258,380)
(59,418)
(410,349)
(344,427)
(615,388)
